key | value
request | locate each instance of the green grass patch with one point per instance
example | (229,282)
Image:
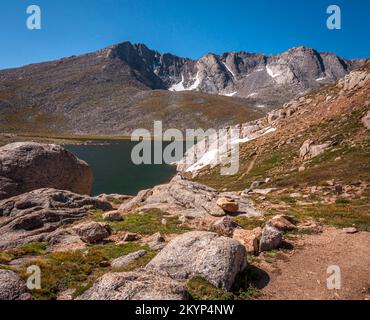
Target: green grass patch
(30,249)
(249,223)
(77,269)
(337,215)
(148,222)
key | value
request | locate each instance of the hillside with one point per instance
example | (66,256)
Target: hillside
(316,162)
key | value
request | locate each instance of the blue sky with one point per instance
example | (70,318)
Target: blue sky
(189,28)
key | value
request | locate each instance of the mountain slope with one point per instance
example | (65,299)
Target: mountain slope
(110,92)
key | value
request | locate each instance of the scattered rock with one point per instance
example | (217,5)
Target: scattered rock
(217,259)
(125,261)
(28,166)
(249,238)
(350,230)
(112,216)
(224,226)
(32,216)
(66,295)
(138,285)
(310,226)
(12,287)
(295,195)
(156,242)
(301,168)
(64,240)
(264,191)
(271,238)
(228,205)
(130,237)
(93,232)
(282,222)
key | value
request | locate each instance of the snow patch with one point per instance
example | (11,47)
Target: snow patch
(212,154)
(228,69)
(253,94)
(271,73)
(180,86)
(230,94)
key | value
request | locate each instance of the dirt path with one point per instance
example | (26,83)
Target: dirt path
(302,273)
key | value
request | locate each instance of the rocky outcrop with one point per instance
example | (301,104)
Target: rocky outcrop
(184,197)
(12,287)
(34,215)
(27,166)
(138,285)
(309,150)
(217,259)
(355,79)
(126,260)
(92,232)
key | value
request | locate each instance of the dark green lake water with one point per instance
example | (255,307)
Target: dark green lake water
(114,171)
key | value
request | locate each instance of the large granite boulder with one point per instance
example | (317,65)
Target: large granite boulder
(27,166)
(32,216)
(138,285)
(219,260)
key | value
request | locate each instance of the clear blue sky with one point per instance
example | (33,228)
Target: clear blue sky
(189,28)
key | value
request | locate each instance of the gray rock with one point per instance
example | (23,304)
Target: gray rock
(185,198)
(12,287)
(224,226)
(138,285)
(271,238)
(309,150)
(93,232)
(156,242)
(33,216)
(126,260)
(220,260)
(27,166)
(112,216)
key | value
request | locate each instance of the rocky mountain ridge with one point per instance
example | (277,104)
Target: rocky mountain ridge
(127,86)
(240,74)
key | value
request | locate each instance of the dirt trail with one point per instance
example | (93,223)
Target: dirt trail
(302,273)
